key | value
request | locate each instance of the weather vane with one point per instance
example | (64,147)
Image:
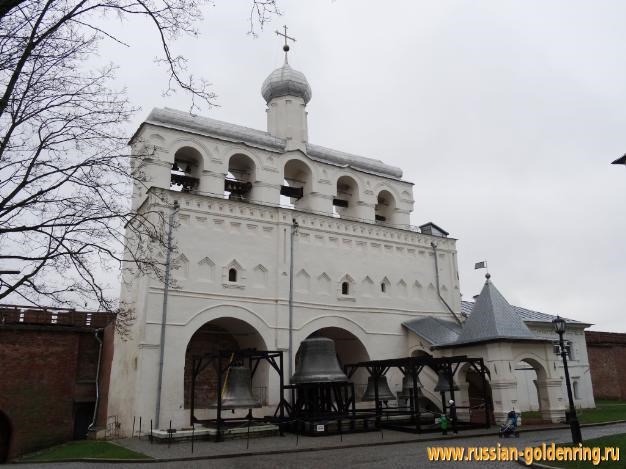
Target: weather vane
(286,46)
(483,265)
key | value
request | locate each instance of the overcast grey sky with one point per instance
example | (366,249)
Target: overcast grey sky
(505,115)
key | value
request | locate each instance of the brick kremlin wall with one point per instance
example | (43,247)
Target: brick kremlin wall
(607,361)
(47,373)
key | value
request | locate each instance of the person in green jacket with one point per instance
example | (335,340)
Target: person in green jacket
(443,423)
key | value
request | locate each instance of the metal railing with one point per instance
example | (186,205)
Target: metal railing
(113,426)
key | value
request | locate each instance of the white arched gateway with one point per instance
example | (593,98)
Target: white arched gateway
(496,332)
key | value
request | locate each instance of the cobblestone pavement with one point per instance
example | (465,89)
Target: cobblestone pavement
(400,454)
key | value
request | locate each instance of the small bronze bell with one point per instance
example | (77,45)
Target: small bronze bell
(384,393)
(407,386)
(442,383)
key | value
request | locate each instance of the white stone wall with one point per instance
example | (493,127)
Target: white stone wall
(213,235)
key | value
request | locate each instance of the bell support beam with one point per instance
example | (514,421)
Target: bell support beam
(415,393)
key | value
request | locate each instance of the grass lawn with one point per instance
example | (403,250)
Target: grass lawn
(605,411)
(84,449)
(613,440)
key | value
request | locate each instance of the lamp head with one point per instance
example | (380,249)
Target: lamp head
(559,325)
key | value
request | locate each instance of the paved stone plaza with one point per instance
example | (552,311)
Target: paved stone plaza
(393,451)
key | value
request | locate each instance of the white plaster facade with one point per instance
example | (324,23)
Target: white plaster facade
(388,265)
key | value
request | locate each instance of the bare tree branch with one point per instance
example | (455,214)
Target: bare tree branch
(65,171)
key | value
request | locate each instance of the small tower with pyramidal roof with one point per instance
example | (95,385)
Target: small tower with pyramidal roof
(496,332)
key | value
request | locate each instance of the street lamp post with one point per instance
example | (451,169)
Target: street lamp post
(559,327)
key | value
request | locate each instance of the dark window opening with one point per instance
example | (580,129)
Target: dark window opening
(345,288)
(232,275)
(383,287)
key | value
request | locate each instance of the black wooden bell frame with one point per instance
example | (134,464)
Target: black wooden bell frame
(222,361)
(412,367)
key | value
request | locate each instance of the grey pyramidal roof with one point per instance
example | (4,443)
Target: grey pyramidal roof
(493,318)
(527,315)
(440,332)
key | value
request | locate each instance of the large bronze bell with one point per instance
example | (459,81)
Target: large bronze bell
(318,362)
(238,390)
(384,393)
(442,383)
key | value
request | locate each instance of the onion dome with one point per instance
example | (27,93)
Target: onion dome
(285,81)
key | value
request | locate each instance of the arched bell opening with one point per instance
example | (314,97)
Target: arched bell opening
(186,170)
(349,350)
(222,334)
(346,199)
(5,437)
(297,185)
(239,182)
(384,211)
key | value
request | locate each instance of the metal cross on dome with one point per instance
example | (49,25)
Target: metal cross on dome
(286,46)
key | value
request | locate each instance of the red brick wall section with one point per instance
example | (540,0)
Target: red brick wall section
(39,370)
(607,362)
